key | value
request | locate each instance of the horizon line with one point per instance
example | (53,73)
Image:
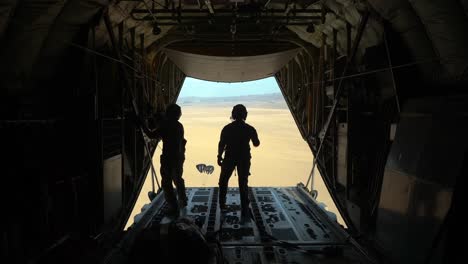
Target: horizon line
(232,96)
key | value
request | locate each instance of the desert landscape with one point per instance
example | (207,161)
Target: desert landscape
(282,159)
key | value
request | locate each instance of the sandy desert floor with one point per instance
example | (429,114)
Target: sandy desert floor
(282,159)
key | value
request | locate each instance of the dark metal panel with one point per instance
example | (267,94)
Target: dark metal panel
(424,162)
(111,138)
(406,23)
(342,149)
(112,184)
(26,33)
(449,38)
(233,49)
(7,9)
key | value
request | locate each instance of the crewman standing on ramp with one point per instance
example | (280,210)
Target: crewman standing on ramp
(172,159)
(234,142)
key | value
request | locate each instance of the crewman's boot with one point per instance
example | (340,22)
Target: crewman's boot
(172,210)
(223,208)
(182,203)
(222,199)
(245,216)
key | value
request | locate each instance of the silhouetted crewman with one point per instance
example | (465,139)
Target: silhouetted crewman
(234,142)
(173,156)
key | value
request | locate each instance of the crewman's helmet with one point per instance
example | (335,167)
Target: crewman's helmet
(173,112)
(239,112)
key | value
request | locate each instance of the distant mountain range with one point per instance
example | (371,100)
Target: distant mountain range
(273,100)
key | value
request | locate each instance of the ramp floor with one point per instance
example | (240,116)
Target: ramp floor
(286,226)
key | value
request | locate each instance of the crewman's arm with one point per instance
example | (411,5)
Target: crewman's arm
(222,143)
(254,138)
(154,134)
(181,140)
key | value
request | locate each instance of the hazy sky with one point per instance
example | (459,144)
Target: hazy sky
(200,88)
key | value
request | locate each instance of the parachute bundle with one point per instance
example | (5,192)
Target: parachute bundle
(202,168)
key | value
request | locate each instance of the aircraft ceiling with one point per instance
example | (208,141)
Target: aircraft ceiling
(37,33)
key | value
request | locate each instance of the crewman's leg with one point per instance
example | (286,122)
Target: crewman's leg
(243,169)
(226,171)
(166,183)
(180,184)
